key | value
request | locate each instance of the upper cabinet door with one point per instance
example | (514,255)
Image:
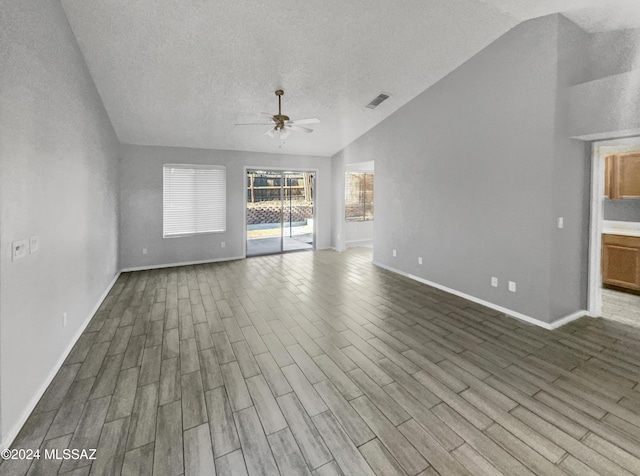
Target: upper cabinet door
(622,176)
(608,176)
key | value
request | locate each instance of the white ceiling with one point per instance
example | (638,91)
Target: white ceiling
(181,72)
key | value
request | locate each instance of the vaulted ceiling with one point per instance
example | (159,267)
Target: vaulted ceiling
(181,73)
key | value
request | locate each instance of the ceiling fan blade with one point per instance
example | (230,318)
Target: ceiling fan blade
(253,124)
(298,122)
(271,132)
(293,127)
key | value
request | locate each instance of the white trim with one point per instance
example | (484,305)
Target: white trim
(173,265)
(523,317)
(566,319)
(594,301)
(11,435)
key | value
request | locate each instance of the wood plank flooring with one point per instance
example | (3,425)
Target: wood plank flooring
(319,363)
(621,306)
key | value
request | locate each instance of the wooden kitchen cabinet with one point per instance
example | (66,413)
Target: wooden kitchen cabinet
(621,261)
(622,176)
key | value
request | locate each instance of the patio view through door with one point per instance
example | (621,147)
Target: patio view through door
(280,213)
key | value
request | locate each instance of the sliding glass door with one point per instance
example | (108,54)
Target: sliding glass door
(297,211)
(279,211)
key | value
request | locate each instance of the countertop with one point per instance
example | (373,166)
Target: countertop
(624,228)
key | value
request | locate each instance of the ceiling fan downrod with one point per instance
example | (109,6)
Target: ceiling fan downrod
(280,118)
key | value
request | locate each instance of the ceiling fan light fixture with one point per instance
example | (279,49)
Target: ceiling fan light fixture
(282,124)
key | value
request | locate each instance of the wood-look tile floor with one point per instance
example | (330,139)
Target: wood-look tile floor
(621,306)
(320,363)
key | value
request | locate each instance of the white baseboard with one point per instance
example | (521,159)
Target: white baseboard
(567,319)
(518,315)
(186,263)
(8,439)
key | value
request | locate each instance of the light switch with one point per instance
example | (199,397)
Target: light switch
(560,222)
(34,244)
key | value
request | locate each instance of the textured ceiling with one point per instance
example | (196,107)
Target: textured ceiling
(181,73)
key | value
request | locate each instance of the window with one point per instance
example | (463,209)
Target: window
(358,196)
(194,199)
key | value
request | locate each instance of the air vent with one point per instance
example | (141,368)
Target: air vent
(377,101)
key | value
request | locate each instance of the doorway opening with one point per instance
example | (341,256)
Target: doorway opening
(280,212)
(614,254)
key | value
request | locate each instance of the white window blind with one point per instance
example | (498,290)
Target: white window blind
(194,199)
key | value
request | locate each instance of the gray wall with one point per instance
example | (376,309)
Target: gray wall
(141,203)
(613,52)
(58,176)
(571,172)
(606,108)
(622,210)
(465,176)
(607,102)
(358,233)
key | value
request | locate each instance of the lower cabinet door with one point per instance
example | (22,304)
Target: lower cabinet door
(621,266)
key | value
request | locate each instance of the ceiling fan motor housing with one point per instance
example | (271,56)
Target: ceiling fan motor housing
(280,120)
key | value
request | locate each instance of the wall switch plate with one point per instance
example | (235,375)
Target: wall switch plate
(223,244)
(18,249)
(512,286)
(560,222)
(394,253)
(420,260)
(144,251)
(34,244)
(494,281)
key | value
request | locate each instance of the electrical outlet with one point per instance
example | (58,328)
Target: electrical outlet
(512,286)
(560,222)
(494,281)
(222,244)
(144,251)
(18,249)
(34,244)
(420,260)
(394,253)
(64,319)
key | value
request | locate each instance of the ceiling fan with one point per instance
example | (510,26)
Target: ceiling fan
(281,124)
